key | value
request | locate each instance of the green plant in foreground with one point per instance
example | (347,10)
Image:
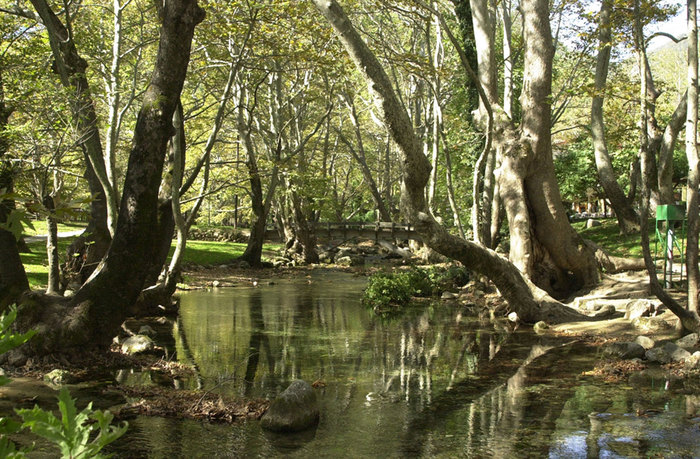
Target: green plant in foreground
(10,341)
(72,432)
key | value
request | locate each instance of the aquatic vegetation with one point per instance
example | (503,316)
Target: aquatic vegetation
(388,291)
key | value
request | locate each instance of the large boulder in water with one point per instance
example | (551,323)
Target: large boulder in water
(293,410)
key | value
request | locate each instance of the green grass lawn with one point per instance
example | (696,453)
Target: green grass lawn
(608,237)
(214,253)
(198,252)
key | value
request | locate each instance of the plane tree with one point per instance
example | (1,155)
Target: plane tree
(93,316)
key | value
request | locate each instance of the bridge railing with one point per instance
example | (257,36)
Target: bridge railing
(376,230)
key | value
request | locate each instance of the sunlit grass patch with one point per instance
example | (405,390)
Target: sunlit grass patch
(210,252)
(36,263)
(197,252)
(608,236)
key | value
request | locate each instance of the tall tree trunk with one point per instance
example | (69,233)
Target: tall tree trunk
(53,284)
(691,150)
(487,199)
(548,249)
(13,278)
(359,155)
(178,146)
(689,319)
(627,218)
(386,177)
(436,107)
(484,28)
(507,58)
(495,204)
(113,91)
(530,302)
(450,188)
(303,231)
(86,251)
(543,245)
(260,203)
(95,313)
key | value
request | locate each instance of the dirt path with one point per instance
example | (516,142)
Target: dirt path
(43,237)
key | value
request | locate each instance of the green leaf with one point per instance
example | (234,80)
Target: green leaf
(72,432)
(9,340)
(15,223)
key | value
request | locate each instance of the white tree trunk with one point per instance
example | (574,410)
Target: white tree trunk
(691,150)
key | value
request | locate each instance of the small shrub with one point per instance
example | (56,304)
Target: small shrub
(450,278)
(418,281)
(384,290)
(390,291)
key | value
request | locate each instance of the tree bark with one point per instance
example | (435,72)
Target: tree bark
(691,150)
(96,312)
(53,284)
(627,218)
(13,278)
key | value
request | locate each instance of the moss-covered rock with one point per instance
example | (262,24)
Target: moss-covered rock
(293,410)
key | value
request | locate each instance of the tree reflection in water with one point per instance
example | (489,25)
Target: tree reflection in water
(437,380)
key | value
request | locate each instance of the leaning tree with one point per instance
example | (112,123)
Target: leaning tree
(545,249)
(540,233)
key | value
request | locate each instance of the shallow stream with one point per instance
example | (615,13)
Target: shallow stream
(436,382)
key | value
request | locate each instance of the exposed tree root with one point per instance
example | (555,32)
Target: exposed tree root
(611,264)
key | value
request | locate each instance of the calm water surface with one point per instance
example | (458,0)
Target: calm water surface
(436,382)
